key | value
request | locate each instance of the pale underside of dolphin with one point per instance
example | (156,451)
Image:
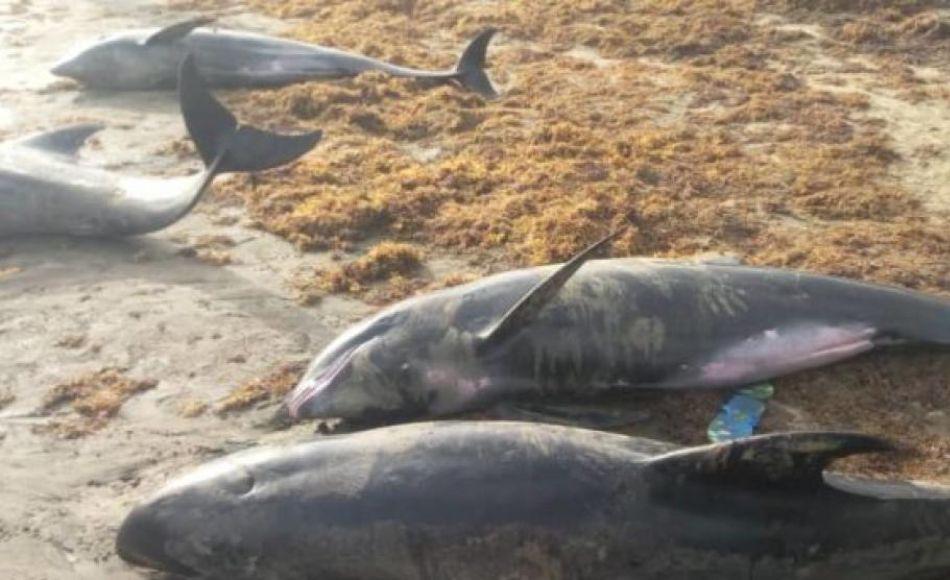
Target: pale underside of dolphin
(482,500)
(143,60)
(560,333)
(43,190)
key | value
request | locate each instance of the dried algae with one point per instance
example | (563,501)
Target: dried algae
(96,398)
(713,143)
(699,122)
(389,262)
(270,388)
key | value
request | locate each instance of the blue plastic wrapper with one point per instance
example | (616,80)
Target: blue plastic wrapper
(741,413)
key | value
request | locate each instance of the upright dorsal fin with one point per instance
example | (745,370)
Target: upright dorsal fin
(65,141)
(781,460)
(531,304)
(177,31)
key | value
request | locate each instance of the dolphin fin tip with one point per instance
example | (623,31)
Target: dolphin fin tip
(65,140)
(532,303)
(177,31)
(784,460)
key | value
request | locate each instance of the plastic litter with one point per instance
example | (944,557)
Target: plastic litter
(740,414)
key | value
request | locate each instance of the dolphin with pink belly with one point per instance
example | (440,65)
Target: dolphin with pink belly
(614,326)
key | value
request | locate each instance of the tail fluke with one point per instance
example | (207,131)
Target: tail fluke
(225,144)
(470,70)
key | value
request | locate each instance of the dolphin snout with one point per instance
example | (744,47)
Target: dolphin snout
(142,539)
(65,68)
(311,386)
(298,397)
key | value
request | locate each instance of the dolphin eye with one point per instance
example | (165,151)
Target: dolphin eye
(405,370)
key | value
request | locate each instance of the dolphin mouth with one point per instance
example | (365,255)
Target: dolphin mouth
(311,387)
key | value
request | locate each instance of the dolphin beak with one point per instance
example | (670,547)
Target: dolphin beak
(305,393)
(300,395)
(64,68)
(311,386)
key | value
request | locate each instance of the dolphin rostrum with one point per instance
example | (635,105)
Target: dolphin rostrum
(477,500)
(613,326)
(143,60)
(43,191)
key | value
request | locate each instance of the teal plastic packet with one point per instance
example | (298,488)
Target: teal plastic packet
(741,413)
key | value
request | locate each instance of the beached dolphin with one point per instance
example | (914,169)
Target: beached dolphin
(142,60)
(477,500)
(43,190)
(612,326)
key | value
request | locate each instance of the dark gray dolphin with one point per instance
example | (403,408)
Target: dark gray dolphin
(614,326)
(142,60)
(42,190)
(477,500)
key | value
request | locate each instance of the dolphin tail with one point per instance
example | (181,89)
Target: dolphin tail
(470,70)
(224,144)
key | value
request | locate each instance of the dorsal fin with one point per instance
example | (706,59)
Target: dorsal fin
(532,303)
(714,259)
(65,141)
(177,31)
(780,460)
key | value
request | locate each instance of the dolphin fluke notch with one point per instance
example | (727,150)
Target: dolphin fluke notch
(528,308)
(781,460)
(225,144)
(470,70)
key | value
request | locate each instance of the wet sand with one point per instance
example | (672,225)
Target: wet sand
(71,307)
